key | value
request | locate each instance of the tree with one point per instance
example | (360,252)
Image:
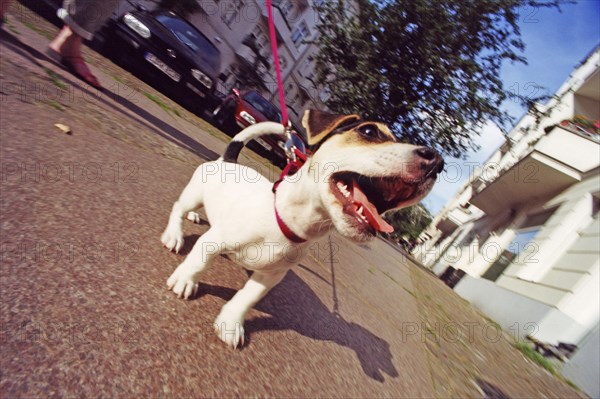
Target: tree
(249,74)
(249,77)
(430,69)
(181,7)
(409,222)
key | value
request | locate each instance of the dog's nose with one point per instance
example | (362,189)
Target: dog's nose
(440,166)
(426,153)
(431,161)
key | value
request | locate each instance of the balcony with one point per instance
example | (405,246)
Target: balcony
(447,226)
(590,87)
(559,160)
(576,150)
(460,216)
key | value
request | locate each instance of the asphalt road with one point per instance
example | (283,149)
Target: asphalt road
(84,307)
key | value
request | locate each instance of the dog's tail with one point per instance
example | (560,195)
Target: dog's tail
(249,133)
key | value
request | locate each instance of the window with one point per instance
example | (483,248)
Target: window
(538,218)
(289,89)
(520,242)
(282,62)
(263,106)
(306,67)
(286,7)
(232,11)
(524,236)
(297,100)
(260,38)
(291,94)
(469,238)
(595,204)
(324,95)
(300,33)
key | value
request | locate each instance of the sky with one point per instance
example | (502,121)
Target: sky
(556,42)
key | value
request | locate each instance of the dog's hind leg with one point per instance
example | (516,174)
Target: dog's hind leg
(191,198)
(194,217)
(229,325)
(184,280)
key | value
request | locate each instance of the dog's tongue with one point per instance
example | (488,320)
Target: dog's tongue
(369,210)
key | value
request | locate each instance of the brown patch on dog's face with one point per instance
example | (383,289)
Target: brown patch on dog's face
(369,133)
(320,124)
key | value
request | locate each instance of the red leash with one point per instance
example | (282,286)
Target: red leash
(284,114)
(298,157)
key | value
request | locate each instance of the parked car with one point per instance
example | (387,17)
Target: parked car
(242,109)
(168,48)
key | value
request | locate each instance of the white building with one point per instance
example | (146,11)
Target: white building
(525,229)
(230,23)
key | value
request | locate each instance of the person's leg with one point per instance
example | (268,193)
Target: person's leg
(67,42)
(3,8)
(82,19)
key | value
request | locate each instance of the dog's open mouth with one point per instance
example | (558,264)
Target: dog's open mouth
(365,198)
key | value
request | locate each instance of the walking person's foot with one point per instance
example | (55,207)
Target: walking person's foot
(3,9)
(66,47)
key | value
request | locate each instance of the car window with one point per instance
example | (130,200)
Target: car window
(263,106)
(191,37)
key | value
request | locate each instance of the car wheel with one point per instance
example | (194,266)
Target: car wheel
(223,113)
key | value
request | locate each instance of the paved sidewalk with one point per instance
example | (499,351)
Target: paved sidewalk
(84,311)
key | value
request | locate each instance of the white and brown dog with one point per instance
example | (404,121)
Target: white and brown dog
(358,170)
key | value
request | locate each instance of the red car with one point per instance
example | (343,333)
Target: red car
(242,109)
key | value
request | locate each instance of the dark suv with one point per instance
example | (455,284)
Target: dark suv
(168,48)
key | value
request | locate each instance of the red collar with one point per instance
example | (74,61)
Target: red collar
(291,168)
(285,229)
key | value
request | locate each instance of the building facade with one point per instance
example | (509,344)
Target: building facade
(521,238)
(239,28)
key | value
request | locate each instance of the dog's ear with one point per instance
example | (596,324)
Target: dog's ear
(319,124)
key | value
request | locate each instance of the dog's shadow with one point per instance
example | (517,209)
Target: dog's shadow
(188,244)
(304,313)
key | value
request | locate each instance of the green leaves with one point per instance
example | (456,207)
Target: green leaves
(428,68)
(408,222)
(181,7)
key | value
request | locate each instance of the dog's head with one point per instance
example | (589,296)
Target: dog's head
(362,171)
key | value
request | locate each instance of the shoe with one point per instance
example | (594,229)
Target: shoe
(77,66)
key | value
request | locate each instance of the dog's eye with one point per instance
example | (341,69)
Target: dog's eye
(369,130)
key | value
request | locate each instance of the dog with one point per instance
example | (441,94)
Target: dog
(357,171)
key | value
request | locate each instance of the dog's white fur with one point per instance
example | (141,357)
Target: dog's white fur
(239,205)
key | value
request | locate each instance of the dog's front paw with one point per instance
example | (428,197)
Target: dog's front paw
(230,330)
(172,239)
(182,283)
